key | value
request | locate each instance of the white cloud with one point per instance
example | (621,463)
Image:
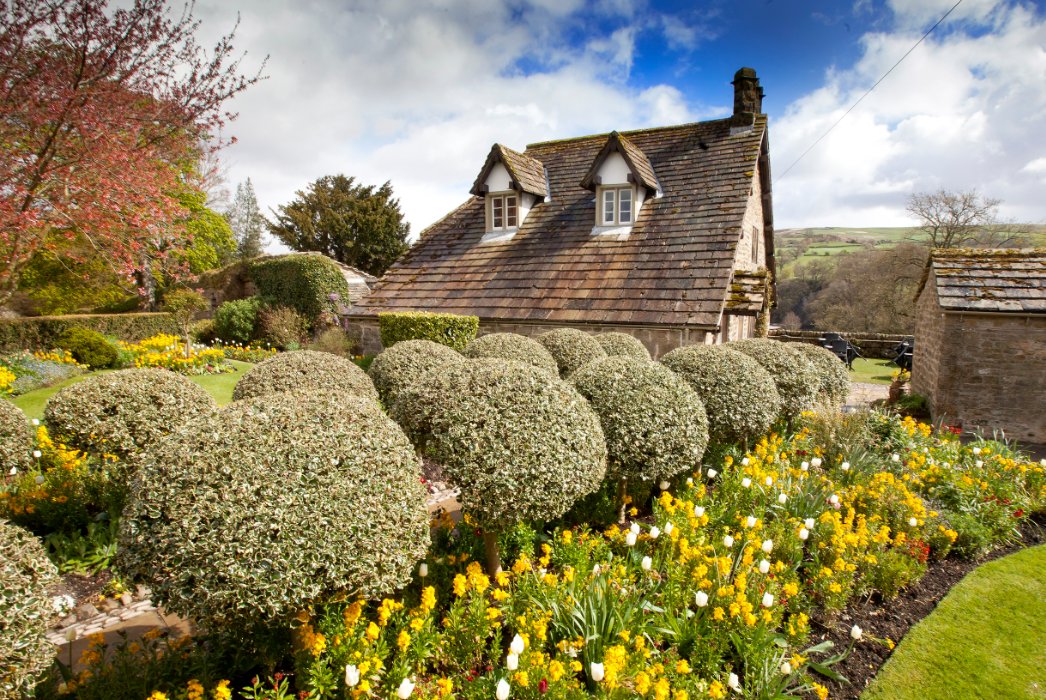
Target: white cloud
(959,113)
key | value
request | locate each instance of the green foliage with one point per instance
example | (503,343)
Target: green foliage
(213,243)
(832,373)
(16,438)
(739,395)
(356,225)
(795,376)
(571,349)
(124,412)
(68,277)
(236,321)
(184,304)
(282,327)
(398,367)
(312,285)
(84,553)
(653,421)
(89,348)
(512,346)
(335,341)
(246,222)
(275,504)
(521,445)
(42,332)
(25,609)
(622,344)
(203,331)
(305,370)
(446,329)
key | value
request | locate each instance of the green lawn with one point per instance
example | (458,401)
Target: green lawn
(217,385)
(872,371)
(986,639)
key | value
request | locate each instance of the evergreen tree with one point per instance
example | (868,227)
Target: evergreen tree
(246,221)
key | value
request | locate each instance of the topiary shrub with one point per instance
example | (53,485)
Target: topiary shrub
(310,283)
(622,344)
(833,376)
(512,346)
(795,377)
(446,329)
(124,412)
(88,348)
(653,421)
(237,321)
(520,444)
(571,348)
(740,397)
(398,367)
(16,438)
(282,327)
(303,370)
(26,609)
(277,504)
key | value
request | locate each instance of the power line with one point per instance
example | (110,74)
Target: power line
(866,94)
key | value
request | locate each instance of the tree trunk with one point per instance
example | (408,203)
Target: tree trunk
(622,494)
(490,547)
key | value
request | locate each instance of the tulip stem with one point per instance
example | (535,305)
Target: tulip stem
(622,503)
(490,547)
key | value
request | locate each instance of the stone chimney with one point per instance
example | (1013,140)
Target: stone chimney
(748,97)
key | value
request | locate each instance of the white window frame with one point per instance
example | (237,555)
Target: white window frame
(609,200)
(503,199)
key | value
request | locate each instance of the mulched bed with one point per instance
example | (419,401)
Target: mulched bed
(893,618)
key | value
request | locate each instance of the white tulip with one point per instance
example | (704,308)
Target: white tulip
(764,566)
(512,661)
(37,454)
(502,691)
(655,532)
(803,533)
(768,546)
(70,634)
(734,683)
(786,669)
(805,466)
(596,570)
(895,457)
(14,471)
(976,450)
(689,481)
(596,671)
(646,563)
(405,689)
(979,463)
(768,600)
(634,528)
(816,461)
(856,633)
(423,570)
(913,522)
(834,499)
(782,499)
(518,645)
(630,539)
(664,485)
(845,466)
(352,676)
(809,522)
(746,482)
(750,521)
(701,598)
(36,422)
(728,541)
(668,528)
(744,462)
(769,481)
(699,511)
(712,473)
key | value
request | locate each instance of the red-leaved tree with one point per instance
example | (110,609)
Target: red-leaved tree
(100,113)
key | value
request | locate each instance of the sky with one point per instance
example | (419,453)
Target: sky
(416,92)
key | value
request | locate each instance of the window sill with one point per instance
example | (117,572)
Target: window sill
(620,231)
(499,235)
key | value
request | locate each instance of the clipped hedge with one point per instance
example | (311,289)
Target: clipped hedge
(16,438)
(654,422)
(26,610)
(282,502)
(794,375)
(446,329)
(740,397)
(311,284)
(305,370)
(42,332)
(124,412)
(571,348)
(622,344)
(395,369)
(88,348)
(513,346)
(832,373)
(521,445)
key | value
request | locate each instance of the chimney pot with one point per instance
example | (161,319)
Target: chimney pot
(748,96)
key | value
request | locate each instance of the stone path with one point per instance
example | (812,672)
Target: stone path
(863,394)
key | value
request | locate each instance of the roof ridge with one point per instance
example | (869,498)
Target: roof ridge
(644,130)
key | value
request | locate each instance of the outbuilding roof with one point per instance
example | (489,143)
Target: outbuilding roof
(1007,281)
(528,175)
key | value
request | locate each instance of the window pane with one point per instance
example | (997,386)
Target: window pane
(510,212)
(626,206)
(498,219)
(608,206)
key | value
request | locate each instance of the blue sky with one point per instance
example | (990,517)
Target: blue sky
(416,92)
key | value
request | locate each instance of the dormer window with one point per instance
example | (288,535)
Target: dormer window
(616,206)
(504,212)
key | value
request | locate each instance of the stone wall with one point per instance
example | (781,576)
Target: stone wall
(929,330)
(870,345)
(658,340)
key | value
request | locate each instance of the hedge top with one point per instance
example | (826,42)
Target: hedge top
(571,348)
(832,373)
(447,329)
(616,343)
(796,379)
(513,346)
(396,368)
(305,370)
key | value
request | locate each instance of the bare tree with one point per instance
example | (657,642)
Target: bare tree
(957,219)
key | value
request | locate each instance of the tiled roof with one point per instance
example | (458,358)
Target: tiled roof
(747,292)
(991,280)
(637,161)
(674,268)
(526,172)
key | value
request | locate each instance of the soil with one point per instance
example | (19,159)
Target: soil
(893,618)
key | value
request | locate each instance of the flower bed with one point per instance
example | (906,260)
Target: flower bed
(168,352)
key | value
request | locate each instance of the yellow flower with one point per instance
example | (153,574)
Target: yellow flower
(661,689)
(428,598)
(522,679)
(373,631)
(461,586)
(716,690)
(157,695)
(403,640)
(493,613)
(445,686)
(821,691)
(556,670)
(194,691)
(352,614)
(642,683)
(683,667)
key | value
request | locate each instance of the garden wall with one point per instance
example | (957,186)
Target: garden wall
(41,332)
(870,345)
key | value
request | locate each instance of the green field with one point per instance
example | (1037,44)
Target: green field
(872,371)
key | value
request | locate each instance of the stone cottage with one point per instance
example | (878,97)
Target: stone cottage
(980,341)
(663,233)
